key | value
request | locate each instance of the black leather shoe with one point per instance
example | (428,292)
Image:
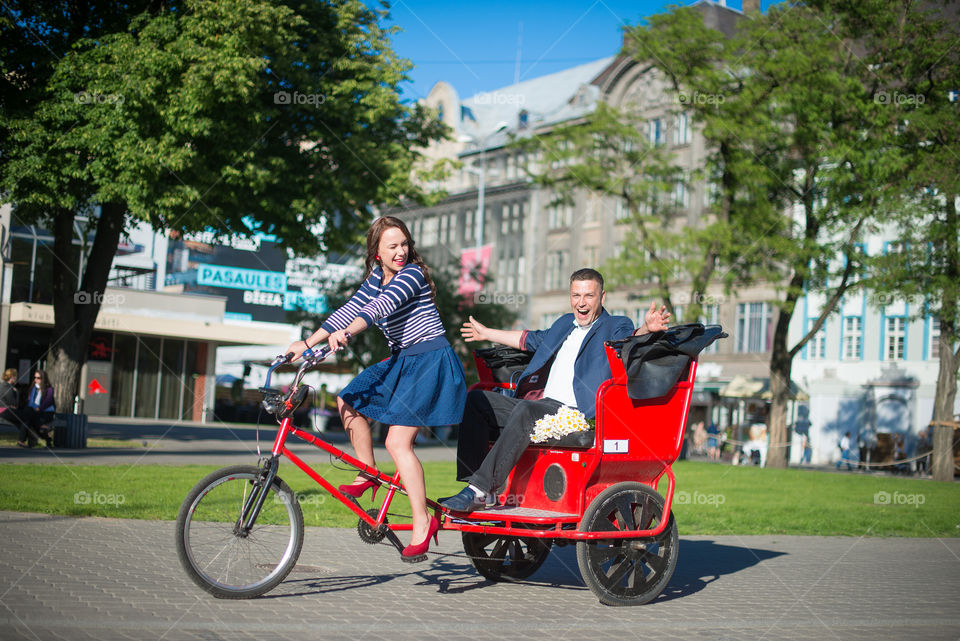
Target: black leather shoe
(468,501)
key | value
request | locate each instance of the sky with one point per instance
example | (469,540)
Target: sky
(474,45)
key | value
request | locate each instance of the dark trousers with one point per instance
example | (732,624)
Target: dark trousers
(28,421)
(488,416)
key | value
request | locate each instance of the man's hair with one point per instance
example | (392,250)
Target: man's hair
(587,274)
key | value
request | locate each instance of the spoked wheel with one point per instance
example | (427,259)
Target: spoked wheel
(217,555)
(505,558)
(627,571)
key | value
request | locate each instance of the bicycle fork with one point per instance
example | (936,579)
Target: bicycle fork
(254,502)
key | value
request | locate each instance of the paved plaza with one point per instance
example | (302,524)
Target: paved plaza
(112,579)
(106,579)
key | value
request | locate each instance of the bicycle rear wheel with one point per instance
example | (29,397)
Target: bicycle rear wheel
(217,555)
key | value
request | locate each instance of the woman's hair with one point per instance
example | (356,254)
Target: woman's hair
(10,375)
(373,248)
(44,379)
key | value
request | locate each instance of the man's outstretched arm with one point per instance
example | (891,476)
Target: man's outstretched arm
(474,330)
(655,320)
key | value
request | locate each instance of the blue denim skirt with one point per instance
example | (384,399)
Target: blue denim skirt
(421,385)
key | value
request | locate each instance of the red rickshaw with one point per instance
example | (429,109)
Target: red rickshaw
(240,529)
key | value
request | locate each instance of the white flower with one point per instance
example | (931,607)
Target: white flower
(566,421)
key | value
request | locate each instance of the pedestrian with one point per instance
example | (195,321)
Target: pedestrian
(845,453)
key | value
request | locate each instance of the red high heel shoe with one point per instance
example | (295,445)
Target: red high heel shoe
(414,553)
(356,490)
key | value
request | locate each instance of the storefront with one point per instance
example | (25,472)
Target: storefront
(152,354)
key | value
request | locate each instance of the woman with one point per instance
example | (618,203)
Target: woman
(421,384)
(37,415)
(8,395)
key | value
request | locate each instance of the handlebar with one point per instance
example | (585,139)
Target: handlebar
(311,358)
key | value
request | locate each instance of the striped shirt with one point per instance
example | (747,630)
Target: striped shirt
(403,309)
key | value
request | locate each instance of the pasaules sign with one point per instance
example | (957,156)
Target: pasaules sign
(240,278)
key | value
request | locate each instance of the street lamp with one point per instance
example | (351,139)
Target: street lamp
(482,143)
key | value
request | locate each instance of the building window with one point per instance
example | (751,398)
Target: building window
(680,195)
(559,216)
(852,338)
(710,315)
(896,338)
(622,211)
(817,346)
(428,232)
(556,270)
(934,339)
(655,132)
(753,327)
(468,226)
(591,255)
(681,129)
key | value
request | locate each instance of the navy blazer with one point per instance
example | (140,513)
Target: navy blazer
(590,368)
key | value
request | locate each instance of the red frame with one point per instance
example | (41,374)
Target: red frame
(650,432)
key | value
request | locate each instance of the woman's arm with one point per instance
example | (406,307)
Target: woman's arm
(46,403)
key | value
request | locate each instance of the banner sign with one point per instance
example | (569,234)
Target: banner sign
(241,278)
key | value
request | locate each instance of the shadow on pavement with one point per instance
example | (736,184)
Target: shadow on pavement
(702,562)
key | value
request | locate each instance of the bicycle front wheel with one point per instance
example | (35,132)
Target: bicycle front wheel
(218,555)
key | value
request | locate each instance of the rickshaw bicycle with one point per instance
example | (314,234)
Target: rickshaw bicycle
(240,529)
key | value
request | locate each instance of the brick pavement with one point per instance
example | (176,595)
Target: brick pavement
(111,579)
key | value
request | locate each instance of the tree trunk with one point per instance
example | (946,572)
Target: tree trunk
(75,309)
(943,406)
(781,366)
(945,400)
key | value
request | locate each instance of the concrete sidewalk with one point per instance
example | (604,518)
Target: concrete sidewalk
(111,579)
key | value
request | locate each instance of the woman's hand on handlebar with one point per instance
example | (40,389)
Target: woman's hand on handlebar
(338,339)
(297,347)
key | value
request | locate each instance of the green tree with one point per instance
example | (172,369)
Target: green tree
(234,116)
(913,50)
(608,154)
(801,153)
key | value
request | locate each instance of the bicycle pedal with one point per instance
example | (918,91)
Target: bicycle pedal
(413,559)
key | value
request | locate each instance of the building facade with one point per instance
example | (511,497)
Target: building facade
(528,248)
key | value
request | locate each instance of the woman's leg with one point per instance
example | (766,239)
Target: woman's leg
(358,429)
(399,444)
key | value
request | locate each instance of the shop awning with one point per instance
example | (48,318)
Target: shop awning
(157,325)
(758,388)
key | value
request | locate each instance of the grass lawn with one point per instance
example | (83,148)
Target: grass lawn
(710,498)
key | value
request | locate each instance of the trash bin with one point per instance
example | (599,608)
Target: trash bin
(70,430)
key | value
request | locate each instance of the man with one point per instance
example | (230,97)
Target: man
(569,364)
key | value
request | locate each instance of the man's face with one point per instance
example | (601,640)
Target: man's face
(586,300)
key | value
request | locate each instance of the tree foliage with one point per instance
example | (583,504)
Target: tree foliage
(233,116)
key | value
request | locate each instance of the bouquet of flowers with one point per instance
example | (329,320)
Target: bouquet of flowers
(566,421)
